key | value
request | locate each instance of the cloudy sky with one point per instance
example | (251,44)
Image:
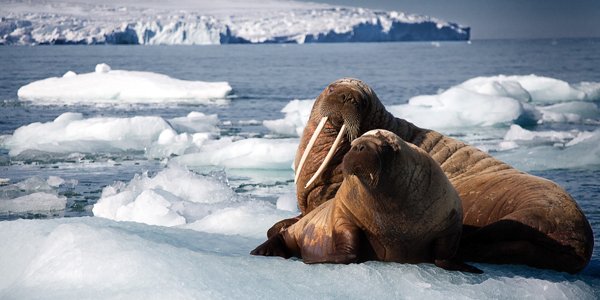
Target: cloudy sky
(503,18)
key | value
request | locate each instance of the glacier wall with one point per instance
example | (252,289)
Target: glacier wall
(144,27)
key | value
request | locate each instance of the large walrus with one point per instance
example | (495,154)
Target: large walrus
(394,204)
(510,216)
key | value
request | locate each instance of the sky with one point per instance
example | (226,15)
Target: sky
(497,19)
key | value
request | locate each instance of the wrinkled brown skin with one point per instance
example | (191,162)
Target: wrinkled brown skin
(394,204)
(510,217)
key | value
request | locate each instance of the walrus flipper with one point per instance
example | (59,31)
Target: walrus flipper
(274,246)
(282,225)
(346,247)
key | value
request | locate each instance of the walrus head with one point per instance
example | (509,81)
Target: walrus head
(370,155)
(344,103)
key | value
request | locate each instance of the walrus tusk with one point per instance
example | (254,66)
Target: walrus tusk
(329,156)
(313,138)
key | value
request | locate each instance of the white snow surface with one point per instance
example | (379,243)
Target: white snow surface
(109,86)
(209,22)
(96,258)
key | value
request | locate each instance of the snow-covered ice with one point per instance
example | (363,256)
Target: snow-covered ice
(107,86)
(296,115)
(251,153)
(72,133)
(96,258)
(177,197)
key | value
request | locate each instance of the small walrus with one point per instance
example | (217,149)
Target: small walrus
(394,204)
(510,216)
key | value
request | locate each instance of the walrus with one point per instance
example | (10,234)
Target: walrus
(394,204)
(509,216)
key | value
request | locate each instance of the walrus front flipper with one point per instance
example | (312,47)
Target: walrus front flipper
(452,265)
(282,225)
(274,246)
(346,247)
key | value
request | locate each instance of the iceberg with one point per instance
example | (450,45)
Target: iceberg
(202,23)
(107,86)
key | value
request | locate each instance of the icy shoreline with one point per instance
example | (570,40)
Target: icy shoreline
(275,22)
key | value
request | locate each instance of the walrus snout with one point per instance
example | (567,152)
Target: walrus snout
(363,161)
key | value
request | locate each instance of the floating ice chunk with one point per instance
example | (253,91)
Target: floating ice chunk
(33,194)
(69,74)
(296,113)
(537,89)
(254,153)
(196,122)
(55,181)
(95,258)
(517,133)
(120,86)
(71,133)
(102,68)
(459,107)
(172,197)
(570,112)
(580,152)
(35,202)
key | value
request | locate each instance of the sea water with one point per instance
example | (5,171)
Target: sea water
(232,196)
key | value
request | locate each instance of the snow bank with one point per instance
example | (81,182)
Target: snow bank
(118,86)
(176,196)
(72,133)
(503,100)
(541,150)
(95,258)
(32,195)
(252,153)
(296,114)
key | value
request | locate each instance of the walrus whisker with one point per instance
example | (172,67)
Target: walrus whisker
(313,138)
(329,156)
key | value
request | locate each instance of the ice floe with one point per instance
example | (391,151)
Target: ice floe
(72,133)
(107,86)
(541,150)
(251,153)
(33,195)
(96,258)
(176,196)
(503,100)
(296,115)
